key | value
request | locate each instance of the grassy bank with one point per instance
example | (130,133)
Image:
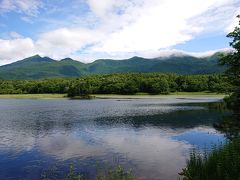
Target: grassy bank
(32,96)
(149,96)
(204,93)
(113,96)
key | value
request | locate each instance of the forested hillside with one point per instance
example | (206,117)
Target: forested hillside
(37,67)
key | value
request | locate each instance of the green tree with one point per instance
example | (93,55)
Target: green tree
(160,86)
(232,60)
(79,88)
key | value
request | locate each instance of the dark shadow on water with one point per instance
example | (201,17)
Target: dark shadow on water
(202,115)
(230,126)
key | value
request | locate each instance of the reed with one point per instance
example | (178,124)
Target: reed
(222,163)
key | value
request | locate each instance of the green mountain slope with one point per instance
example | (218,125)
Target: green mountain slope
(37,67)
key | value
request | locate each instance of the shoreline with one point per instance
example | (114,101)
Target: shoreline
(182,95)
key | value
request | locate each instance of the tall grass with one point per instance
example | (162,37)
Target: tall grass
(117,173)
(222,163)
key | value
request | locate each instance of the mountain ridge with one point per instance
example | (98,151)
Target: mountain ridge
(37,67)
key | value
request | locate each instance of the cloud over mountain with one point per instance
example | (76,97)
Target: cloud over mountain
(114,28)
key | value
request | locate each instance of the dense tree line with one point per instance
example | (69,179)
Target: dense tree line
(128,83)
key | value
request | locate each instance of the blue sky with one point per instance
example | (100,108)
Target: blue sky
(90,29)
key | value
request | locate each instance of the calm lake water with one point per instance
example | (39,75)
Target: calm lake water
(151,136)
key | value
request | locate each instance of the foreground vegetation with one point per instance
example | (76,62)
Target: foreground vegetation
(129,83)
(220,164)
(113,173)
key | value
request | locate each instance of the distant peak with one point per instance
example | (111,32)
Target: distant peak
(136,58)
(67,59)
(35,56)
(38,58)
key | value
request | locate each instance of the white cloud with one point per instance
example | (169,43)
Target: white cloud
(14,49)
(29,7)
(162,24)
(101,9)
(123,28)
(176,52)
(63,42)
(235,22)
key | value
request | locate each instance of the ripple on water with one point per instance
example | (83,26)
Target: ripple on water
(151,136)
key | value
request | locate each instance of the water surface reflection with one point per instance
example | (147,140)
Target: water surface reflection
(153,137)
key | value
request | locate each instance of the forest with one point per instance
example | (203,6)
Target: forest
(127,83)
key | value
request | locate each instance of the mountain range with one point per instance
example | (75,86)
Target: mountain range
(37,67)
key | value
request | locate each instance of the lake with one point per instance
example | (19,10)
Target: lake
(153,137)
